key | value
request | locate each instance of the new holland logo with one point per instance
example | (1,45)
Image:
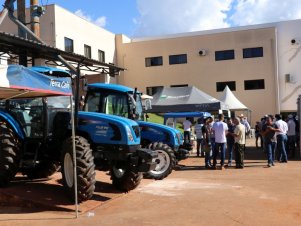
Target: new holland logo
(59,84)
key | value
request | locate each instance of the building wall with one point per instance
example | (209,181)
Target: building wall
(289,58)
(203,71)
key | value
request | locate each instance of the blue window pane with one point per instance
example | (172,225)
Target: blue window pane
(153,61)
(178,59)
(224,55)
(253,52)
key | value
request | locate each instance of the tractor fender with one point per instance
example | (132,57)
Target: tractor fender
(14,124)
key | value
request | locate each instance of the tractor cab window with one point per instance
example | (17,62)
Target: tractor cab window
(92,102)
(136,107)
(108,103)
(115,104)
(58,102)
(29,113)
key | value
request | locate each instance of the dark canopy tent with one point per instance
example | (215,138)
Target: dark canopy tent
(179,99)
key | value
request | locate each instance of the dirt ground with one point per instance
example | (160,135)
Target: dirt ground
(191,195)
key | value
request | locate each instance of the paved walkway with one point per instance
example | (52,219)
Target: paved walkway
(191,195)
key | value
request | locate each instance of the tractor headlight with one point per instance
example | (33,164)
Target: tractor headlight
(129,134)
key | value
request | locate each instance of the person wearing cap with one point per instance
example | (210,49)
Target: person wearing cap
(281,138)
(291,136)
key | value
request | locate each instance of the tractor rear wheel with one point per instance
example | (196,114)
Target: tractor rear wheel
(166,161)
(85,168)
(125,179)
(10,154)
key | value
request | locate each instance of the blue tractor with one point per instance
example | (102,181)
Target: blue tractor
(35,139)
(126,102)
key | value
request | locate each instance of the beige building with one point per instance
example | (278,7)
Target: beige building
(243,59)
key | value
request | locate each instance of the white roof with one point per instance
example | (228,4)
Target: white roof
(231,100)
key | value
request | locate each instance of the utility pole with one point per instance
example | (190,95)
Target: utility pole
(35,12)
(22,33)
(35,19)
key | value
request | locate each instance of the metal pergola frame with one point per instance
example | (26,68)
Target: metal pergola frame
(13,46)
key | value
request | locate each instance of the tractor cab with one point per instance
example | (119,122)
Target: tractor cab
(114,100)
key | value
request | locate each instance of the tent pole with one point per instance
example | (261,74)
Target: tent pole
(74,157)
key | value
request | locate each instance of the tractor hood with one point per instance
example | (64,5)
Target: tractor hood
(109,128)
(162,133)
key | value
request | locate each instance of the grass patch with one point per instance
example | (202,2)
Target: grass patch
(157,118)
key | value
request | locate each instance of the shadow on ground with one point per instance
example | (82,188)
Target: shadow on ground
(29,196)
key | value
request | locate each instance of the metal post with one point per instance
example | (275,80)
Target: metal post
(21,32)
(5,10)
(77,86)
(74,157)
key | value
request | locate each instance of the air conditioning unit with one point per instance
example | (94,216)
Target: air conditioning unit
(202,52)
(290,78)
(287,78)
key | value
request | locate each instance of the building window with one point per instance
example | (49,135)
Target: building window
(153,90)
(69,45)
(87,51)
(254,84)
(253,52)
(153,61)
(178,59)
(101,56)
(224,55)
(220,86)
(182,85)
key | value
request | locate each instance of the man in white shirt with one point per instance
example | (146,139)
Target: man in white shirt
(281,138)
(187,130)
(220,130)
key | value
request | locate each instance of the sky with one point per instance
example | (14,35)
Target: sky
(144,18)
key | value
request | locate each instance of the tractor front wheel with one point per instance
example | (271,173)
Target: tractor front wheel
(166,161)
(85,168)
(125,179)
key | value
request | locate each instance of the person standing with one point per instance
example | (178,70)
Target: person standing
(258,135)
(291,136)
(240,141)
(207,145)
(187,130)
(230,140)
(281,138)
(220,129)
(268,132)
(211,132)
(199,137)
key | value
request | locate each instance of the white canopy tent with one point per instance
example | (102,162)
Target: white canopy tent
(233,103)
